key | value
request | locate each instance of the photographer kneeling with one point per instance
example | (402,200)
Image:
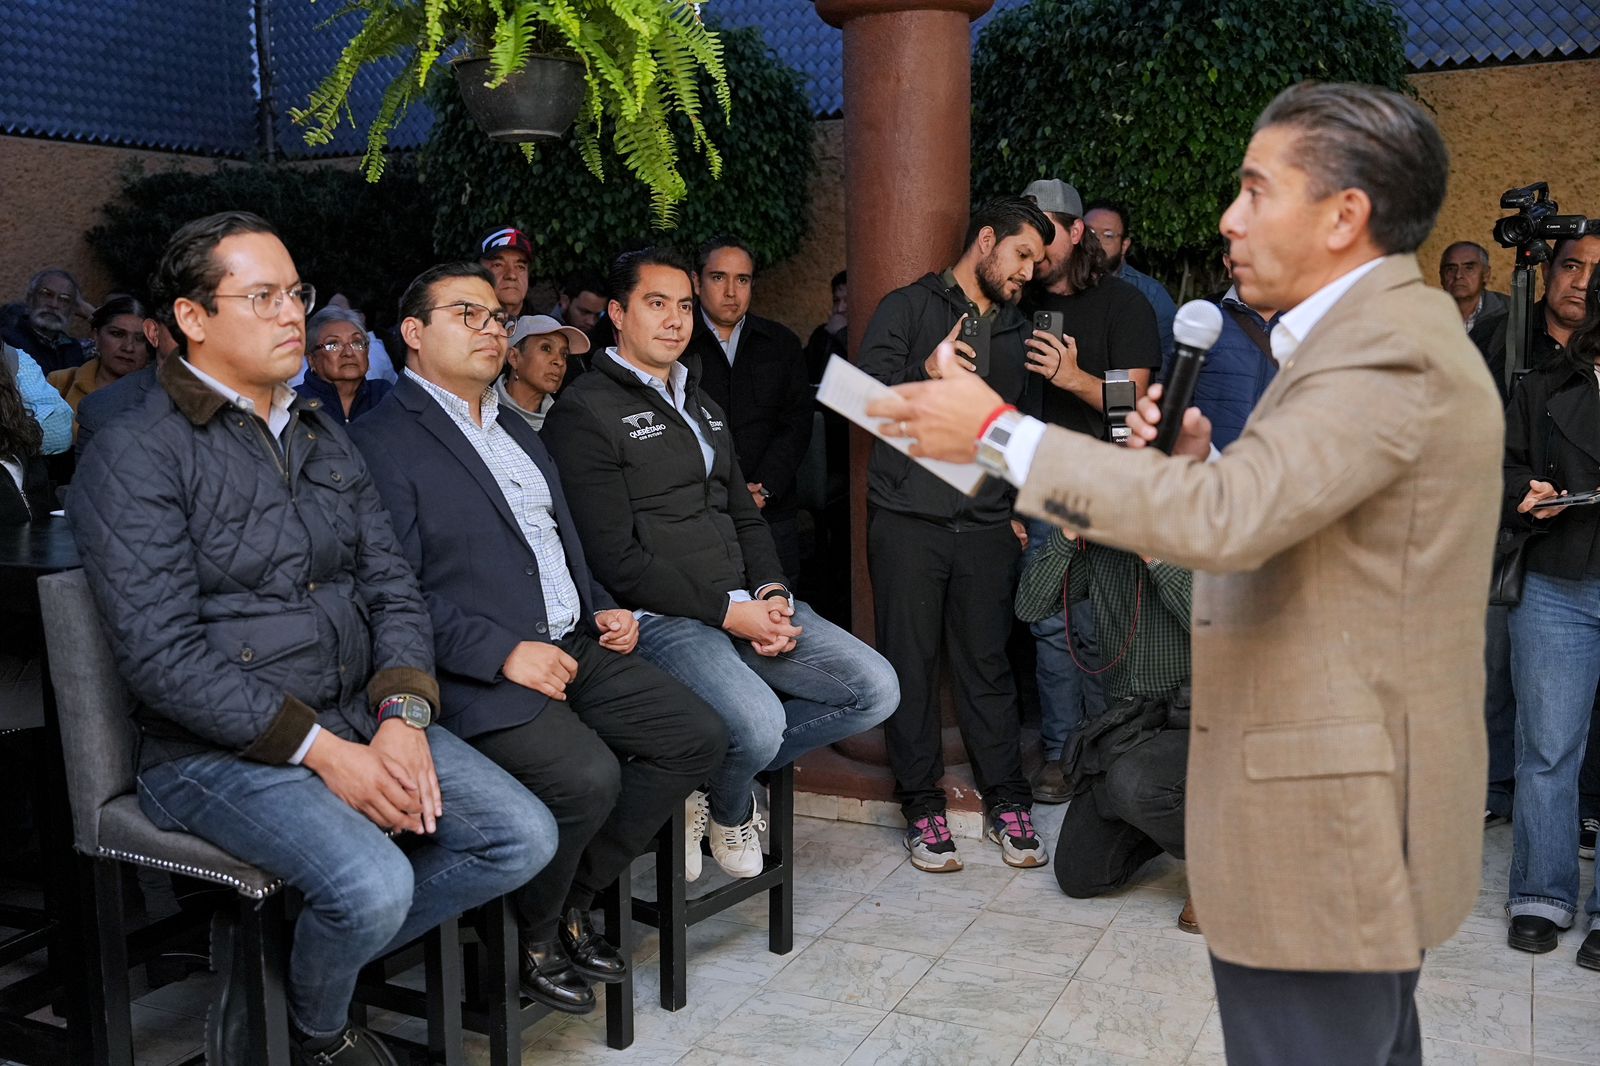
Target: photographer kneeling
(1127,767)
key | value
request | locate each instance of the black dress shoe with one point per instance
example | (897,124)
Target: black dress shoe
(549,978)
(590,952)
(1529,932)
(1050,785)
(1589,951)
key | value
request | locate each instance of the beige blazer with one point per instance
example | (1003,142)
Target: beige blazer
(1342,548)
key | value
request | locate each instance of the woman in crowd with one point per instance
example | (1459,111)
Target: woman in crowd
(119,349)
(25,491)
(536,364)
(336,353)
(1553,448)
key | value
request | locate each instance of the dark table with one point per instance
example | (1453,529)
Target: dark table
(28,552)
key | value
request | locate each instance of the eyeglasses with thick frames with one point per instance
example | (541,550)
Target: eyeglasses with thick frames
(359,345)
(266,303)
(476,317)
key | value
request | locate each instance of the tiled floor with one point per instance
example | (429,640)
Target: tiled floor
(995,966)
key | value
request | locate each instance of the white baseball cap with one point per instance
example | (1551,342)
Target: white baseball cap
(538,325)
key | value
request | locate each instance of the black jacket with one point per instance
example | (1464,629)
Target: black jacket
(479,578)
(36,498)
(1490,337)
(661,535)
(248,594)
(1553,434)
(907,327)
(368,396)
(767,399)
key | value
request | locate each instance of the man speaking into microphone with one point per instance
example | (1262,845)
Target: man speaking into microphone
(1342,549)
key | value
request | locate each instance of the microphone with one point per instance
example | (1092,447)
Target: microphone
(1195,332)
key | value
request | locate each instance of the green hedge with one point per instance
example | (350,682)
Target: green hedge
(1151,101)
(578,222)
(346,235)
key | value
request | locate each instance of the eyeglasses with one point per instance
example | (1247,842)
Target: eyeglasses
(477,317)
(358,346)
(44,295)
(266,303)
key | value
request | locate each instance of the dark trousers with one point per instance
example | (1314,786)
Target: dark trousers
(930,582)
(1499,714)
(1589,772)
(612,762)
(1274,1017)
(1130,815)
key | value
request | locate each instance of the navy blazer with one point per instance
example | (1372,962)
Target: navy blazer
(478,575)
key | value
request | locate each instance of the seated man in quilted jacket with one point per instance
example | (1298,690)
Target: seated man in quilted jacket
(278,647)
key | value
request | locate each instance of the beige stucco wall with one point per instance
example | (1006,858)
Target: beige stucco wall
(53,192)
(795,292)
(1508,126)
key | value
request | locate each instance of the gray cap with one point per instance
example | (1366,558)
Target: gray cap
(1055,195)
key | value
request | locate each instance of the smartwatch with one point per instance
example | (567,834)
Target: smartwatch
(414,711)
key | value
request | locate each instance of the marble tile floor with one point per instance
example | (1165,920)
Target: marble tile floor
(993,966)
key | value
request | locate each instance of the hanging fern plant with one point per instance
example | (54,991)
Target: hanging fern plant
(642,59)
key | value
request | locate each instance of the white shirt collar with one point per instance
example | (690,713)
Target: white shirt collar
(277,415)
(676,375)
(730,347)
(455,406)
(1295,324)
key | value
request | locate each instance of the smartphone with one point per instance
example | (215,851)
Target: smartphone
(1052,322)
(1576,499)
(978,340)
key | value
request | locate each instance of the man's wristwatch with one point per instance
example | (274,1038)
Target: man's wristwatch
(992,445)
(414,711)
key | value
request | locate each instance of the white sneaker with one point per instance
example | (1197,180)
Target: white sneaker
(695,813)
(737,848)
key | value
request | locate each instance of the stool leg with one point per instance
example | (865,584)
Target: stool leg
(780,847)
(671,904)
(505,992)
(109,1018)
(261,940)
(617,904)
(443,952)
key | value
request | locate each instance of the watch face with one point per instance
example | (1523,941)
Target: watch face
(416,712)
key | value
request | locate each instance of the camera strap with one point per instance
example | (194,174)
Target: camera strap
(1066,608)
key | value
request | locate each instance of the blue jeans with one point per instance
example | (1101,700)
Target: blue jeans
(1499,713)
(1555,661)
(1067,695)
(363,895)
(834,687)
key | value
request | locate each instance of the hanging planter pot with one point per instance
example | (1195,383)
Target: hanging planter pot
(537,103)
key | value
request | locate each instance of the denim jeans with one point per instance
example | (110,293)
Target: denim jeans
(363,895)
(1067,695)
(1499,714)
(833,687)
(1555,661)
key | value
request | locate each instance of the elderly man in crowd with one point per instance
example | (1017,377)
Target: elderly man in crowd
(507,253)
(1464,274)
(40,323)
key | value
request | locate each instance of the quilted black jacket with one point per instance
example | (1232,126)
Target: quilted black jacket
(247,594)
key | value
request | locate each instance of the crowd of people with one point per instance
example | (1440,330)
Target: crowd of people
(521,580)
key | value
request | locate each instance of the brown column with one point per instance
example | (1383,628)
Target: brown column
(907,136)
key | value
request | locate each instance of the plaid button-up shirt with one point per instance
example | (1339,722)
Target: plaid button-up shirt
(526,493)
(1141,611)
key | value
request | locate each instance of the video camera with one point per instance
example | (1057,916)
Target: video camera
(1537,220)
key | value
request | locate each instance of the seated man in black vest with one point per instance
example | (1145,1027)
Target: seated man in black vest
(755,370)
(533,656)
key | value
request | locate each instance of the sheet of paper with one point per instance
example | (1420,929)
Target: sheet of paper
(848,390)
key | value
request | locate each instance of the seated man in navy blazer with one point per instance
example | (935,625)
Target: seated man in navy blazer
(532,653)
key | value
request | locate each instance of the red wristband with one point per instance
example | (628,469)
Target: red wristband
(994,416)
